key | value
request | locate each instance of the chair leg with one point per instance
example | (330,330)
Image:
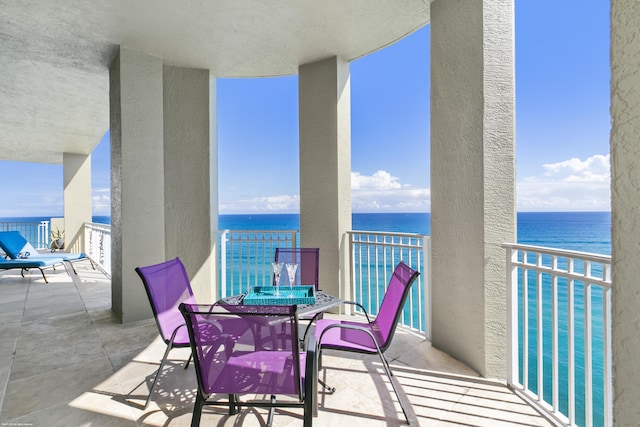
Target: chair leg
(271,411)
(43,276)
(233,406)
(197,410)
(310,382)
(324,385)
(188,361)
(73,268)
(155,378)
(387,370)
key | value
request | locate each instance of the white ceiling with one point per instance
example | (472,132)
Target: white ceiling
(55,55)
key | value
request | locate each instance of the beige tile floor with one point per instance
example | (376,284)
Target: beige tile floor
(65,361)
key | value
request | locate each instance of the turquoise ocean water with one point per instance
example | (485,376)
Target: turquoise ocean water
(580,231)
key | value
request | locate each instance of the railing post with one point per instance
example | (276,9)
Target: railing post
(223,263)
(426,278)
(512,317)
(607,365)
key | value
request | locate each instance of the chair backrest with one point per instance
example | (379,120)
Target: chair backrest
(15,245)
(245,349)
(167,285)
(307,259)
(393,302)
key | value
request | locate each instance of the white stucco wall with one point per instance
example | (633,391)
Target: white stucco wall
(472,178)
(625,200)
(325,166)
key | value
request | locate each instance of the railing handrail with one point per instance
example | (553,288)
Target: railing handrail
(387,233)
(588,256)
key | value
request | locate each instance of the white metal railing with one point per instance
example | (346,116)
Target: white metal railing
(374,255)
(246,255)
(97,244)
(36,233)
(559,332)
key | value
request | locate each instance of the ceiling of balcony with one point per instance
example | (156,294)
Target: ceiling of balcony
(55,55)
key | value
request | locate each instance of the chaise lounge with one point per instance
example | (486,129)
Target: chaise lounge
(17,248)
(26,264)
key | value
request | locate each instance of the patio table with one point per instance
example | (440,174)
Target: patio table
(323,303)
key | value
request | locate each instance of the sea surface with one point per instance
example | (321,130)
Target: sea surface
(579,231)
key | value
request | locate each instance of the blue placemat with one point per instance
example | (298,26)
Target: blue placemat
(282,295)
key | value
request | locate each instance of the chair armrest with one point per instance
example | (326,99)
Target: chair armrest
(352,327)
(313,319)
(361,307)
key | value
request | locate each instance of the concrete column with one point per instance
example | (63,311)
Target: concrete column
(137,178)
(625,194)
(472,178)
(77,199)
(325,167)
(190,177)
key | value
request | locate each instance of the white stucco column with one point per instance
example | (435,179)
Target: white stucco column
(77,198)
(472,178)
(325,167)
(191,177)
(625,197)
(137,177)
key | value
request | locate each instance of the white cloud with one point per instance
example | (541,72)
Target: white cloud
(382,192)
(101,201)
(381,180)
(266,204)
(570,185)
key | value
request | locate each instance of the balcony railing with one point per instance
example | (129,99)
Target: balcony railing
(97,244)
(373,258)
(559,308)
(36,233)
(246,255)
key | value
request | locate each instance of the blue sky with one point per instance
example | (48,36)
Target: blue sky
(562,128)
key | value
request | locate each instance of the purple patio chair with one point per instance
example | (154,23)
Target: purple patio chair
(167,285)
(250,350)
(375,336)
(307,260)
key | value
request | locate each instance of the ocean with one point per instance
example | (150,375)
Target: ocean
(579,231)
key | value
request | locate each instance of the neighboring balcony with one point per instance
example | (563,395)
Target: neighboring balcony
(71,320)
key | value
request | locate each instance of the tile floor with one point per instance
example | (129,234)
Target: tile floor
(65,361)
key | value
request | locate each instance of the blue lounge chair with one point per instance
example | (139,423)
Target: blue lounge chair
(26,264)
(17,247)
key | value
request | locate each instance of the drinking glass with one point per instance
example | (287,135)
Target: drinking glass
(291,271)
(277,270)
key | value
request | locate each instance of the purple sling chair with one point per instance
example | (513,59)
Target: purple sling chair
(167,285)
(375,336)
(307,260)
(250,350)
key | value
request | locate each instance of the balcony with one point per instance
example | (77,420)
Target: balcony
(66,361)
